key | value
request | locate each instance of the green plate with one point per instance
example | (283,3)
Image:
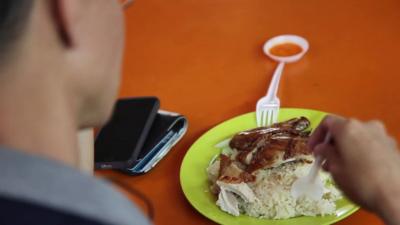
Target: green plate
(194,178)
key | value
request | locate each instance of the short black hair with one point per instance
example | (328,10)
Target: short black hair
(14,15)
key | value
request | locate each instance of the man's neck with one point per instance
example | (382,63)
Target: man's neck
(39,123)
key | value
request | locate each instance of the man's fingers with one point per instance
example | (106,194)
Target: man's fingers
(325,166)
(376,125)
(329,153)
(319,134)
(331,124)
(392,142)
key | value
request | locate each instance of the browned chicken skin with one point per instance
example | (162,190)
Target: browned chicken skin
(248,140)
(265,147)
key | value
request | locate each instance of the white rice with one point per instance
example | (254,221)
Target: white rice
(273,191)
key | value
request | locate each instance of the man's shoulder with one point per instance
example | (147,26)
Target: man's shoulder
(54,189)
(18,212)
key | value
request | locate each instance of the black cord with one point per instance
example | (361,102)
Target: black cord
(137,193)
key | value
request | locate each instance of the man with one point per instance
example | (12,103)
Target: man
(59,72)
(60,62)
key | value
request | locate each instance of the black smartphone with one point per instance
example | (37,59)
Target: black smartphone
(119,143)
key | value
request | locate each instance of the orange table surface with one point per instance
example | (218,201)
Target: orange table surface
(204,59)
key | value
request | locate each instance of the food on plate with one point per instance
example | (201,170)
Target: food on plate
(254,173)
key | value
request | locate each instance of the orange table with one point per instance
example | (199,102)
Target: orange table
(203,58)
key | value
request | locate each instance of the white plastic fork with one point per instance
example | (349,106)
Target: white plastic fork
(267,108)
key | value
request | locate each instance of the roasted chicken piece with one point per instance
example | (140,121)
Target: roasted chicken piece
(267,147)
(263,148)
(255,149)
(250,139)
(226,197)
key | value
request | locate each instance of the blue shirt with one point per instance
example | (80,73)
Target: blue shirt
(34,190)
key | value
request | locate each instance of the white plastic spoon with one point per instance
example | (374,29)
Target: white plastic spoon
(310,185)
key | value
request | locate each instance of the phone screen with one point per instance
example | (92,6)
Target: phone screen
(122,138)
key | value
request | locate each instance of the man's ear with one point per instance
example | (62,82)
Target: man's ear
(62,15)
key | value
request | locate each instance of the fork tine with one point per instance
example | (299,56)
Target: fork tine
(271,118)
(270,112)
(264,118)
(258,117)
(275,115)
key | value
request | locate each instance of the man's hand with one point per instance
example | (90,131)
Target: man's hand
(364,162)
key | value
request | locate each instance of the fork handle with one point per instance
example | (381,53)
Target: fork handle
(273,86)
(316,166)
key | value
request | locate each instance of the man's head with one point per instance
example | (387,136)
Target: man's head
(70,50)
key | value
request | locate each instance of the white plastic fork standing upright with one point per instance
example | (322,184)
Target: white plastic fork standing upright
(267,108)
